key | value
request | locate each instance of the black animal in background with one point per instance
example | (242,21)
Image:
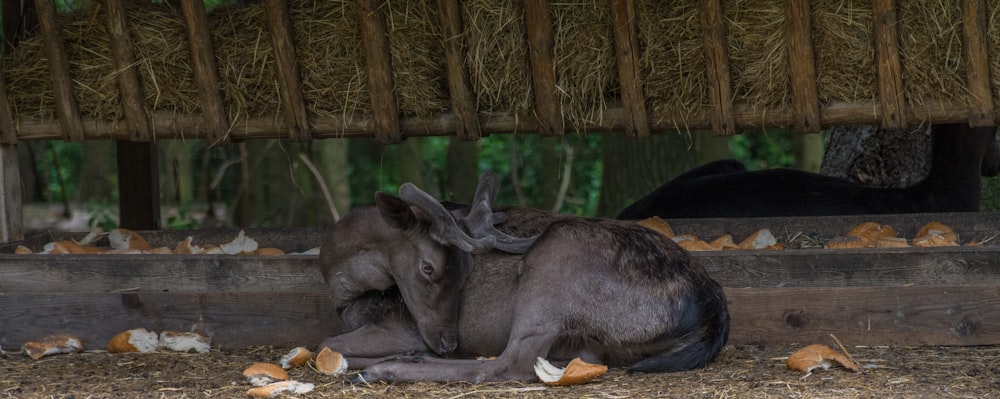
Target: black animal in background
(960,155)
(608,291)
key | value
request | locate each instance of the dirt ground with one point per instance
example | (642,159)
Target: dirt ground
(739,372)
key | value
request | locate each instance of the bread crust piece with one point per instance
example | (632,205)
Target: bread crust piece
(576,372)
(816,356)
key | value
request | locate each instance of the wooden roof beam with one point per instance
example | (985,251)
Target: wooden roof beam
(378,63)
(129,86)
(463,102)
(287,69)
(625,29)
(977,60)
(802,64)
(205,73)
(67,110)
(890,72)
(720,91)
(541,53)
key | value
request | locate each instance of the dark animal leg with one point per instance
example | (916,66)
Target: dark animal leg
(376,343)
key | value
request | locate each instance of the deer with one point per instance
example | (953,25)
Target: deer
(960,155)
(426,291)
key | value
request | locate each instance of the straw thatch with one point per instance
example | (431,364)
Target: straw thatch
(335,84)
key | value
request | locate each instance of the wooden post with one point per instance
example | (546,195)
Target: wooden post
(205,73)
(629,77)
(122,57)
(890,73)
(287,68)
(720,92)
(378,62)
(11,206)
(802,64)
(8,133)
(977,60)
(541,43)
(138,186)
(463,104)
(55,49)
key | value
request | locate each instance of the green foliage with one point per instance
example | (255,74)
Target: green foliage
(991,194)
(763,149)
(103,215)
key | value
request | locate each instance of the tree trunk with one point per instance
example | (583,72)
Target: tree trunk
(808,152)
(463,170)
(877,157)
(95,175)
(633,168)
(333,165)
(711,147)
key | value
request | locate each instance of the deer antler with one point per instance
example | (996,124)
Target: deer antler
(482,235)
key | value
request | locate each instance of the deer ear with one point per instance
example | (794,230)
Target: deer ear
(395,212)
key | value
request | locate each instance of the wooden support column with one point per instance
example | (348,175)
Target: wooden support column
(802,64)
(629,76)
(133,100)
(378,62)
(138,186)
(55,49)
(8,133)
(287,68)
(890,72)
(977,61)
(206,75)
(463,103)
(720,92)
(11,197)
(541,53)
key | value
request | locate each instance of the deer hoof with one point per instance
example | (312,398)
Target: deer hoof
(360,378)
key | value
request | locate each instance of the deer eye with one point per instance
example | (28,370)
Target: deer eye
(427,268)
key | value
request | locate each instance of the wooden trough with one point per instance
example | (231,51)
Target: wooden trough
(892,296)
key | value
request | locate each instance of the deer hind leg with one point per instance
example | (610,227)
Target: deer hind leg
(375,343)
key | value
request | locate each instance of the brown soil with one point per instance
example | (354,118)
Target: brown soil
(739,372)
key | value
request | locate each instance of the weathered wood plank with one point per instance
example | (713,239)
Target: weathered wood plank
(463,99)
(942,315)
(11,197)
(890,72)
(541,53)
(123,58)
(232,319)
(720,92)
(158,273)
(977,62)
(802,65)
(287,70)
(629,76)
(205,73)
(297,239)
(378,63)
(67,111)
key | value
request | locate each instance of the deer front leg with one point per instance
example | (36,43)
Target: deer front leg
(375,343)
(516,363)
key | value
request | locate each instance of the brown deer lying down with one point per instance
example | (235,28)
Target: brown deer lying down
(608,291)
(960,155)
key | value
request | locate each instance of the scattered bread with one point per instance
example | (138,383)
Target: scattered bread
(844,242)
(330,362)
(933,240)
(127,239)
(658,225)
(892,242)
(241,245)
(23,250)
(274,389)
(185,341)
(268,252)
(576,372)
(816,356)
(186,247)
(134,340)
(297,357)
(760,239)
(51,345)
(695,245)
(937,228)
(260,374)
(724,241)
(159,251)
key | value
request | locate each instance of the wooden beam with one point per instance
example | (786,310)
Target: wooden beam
(802,65)
(977,62)
(890,72)
(287,68)
(138,185)
(11,197)
(8,133)
(541,53)
(55,49)
(463,101)
(206,75)
(912,315)
(720,92)
(623,15)
(378,63)
(129,87)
